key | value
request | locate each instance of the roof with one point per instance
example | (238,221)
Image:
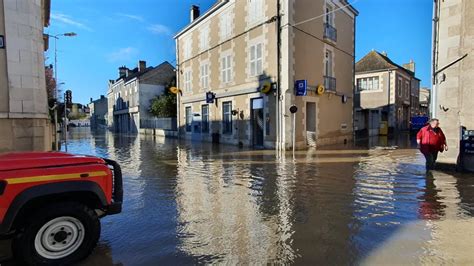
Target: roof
(134,73)
(375,61)
(219,3)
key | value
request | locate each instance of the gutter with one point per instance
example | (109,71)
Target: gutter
(201,18)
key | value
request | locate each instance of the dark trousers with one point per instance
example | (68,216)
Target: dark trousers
(431,158)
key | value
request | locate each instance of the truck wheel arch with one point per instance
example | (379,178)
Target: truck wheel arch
(90,193)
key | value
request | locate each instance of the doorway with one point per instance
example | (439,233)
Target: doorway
(311,124)
(257,122)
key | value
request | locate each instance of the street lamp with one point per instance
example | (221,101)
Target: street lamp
(56,37)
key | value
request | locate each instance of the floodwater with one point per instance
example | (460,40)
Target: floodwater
(193,203)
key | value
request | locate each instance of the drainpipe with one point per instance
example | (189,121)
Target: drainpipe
(278,90)
(178,94)
(388,100)
(434,59)
(354,81)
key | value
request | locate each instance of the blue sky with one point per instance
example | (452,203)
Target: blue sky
(112,33)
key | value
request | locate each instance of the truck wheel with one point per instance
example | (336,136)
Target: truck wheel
(57,234)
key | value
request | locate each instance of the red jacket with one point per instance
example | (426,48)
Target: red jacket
(431,139)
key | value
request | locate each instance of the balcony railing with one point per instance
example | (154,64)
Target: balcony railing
(330,32)
(330,83)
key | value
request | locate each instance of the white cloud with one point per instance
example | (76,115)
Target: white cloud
(159,29)
(130,16)
(65,19)
(122,55)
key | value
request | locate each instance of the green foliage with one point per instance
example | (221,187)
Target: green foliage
(164,105)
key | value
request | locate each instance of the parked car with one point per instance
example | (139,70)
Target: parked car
(51,202)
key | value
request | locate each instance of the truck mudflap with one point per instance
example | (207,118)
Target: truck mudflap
(117,193)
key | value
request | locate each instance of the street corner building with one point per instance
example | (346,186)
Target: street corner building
(242,64)
(24,118)
(129,96)
(387,95)
(453,78)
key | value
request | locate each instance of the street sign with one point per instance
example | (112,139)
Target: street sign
(301,87)
(293,109)
(210,96)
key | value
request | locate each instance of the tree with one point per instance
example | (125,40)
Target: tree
(164,105)
(50,82)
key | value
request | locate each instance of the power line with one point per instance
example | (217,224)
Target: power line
(322,15)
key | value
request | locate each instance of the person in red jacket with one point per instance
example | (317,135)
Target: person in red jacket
(431,140)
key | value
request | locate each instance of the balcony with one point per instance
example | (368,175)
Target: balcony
(330,32)
(330,83)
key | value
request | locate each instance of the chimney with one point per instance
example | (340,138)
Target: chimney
(92,99)
(141,66)
(102,97)
(410,66)
(384,54)
(123,71)
(194,12)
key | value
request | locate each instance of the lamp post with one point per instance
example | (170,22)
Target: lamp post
(56,37)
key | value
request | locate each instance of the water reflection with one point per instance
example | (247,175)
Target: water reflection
(191,203)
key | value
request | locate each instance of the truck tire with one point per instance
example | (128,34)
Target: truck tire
(57,234)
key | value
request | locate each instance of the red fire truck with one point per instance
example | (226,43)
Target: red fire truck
(51,202)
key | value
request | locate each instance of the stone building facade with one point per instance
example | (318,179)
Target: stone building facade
(384,91)
(129,96)
(453,68)
(247,55)
(98,112)
(24,122)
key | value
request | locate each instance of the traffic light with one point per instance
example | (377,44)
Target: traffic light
(68,98)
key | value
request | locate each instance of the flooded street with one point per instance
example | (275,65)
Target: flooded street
(188,203)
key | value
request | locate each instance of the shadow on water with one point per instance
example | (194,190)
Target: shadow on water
(191,203)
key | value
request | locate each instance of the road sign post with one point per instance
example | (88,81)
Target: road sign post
(293,110)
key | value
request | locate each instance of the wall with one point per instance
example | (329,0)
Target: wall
(454,95)
(24,121)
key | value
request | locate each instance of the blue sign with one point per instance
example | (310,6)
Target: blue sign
(301,87)
(210,97)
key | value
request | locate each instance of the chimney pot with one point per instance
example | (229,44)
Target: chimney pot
(195,12)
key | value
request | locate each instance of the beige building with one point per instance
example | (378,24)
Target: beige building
(385,91)
(247,56)
(24,122)
(425,101)
(453,69)
(129,96)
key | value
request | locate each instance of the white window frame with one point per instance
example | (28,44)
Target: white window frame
(255,11)
(187,48)
(329,63)
(225,26)
(204,38)
(226,68)
(256,60)
(204,75)
(329,17)
(187,80)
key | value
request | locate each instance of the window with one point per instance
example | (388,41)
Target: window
(204,38)
(255,10)
(226,69)
(256,58)
(329,15)
(407,93)
(367,84)
(399,87)
(189,119)
(205,76)
(225,25)
(227,118)
(328,64)
(187,81)
(205,118)
(187,48)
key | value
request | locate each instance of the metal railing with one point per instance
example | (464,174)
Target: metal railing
(330,83)
(166,123)
(330,32)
